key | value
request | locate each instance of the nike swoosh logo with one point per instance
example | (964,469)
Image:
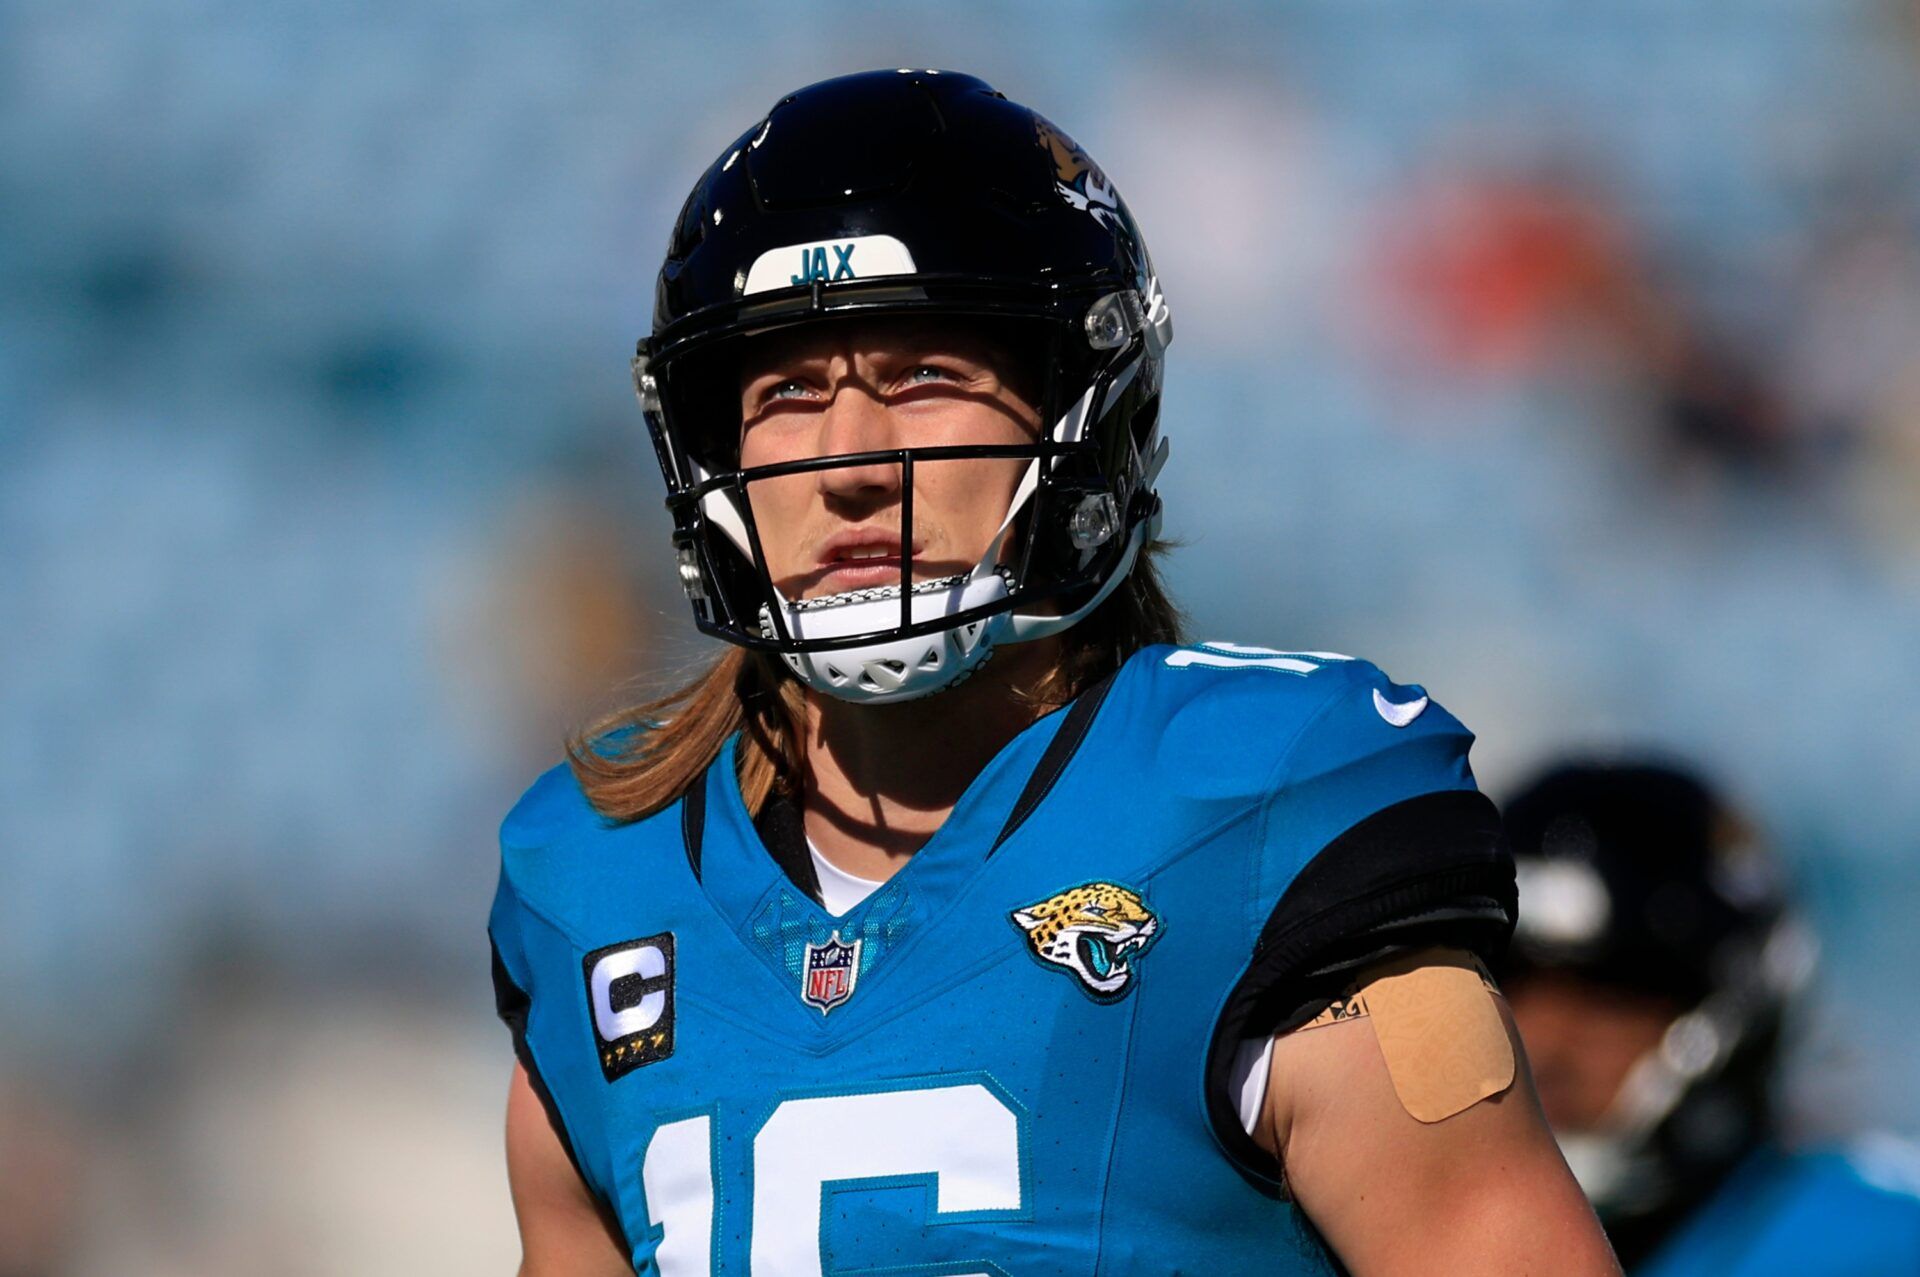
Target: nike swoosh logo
(1398,715)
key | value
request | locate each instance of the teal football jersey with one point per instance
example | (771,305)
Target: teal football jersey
(1852,1210)
(1011,1058)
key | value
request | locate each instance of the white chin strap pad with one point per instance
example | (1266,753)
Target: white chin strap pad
(893,670)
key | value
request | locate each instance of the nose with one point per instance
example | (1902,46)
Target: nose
(855,421)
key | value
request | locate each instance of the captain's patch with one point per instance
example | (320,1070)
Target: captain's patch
(630,990)
(1095,932)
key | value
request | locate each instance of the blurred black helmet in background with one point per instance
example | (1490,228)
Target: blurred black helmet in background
(1638,877)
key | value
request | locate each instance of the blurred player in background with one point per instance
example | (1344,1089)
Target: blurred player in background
(1654,965)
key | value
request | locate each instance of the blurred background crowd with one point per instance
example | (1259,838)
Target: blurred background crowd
(1562,356)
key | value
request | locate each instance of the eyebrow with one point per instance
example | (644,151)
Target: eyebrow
(752,369)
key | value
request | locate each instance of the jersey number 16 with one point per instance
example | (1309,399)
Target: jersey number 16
(963,1141)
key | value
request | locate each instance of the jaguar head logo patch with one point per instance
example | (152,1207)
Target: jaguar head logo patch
(1096,932)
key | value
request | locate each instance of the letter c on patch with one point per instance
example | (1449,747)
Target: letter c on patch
(645,961)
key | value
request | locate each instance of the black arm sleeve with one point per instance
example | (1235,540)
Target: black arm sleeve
(1429,871)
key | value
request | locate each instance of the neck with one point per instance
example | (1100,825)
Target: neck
(879,780)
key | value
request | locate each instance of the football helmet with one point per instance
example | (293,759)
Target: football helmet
(911,193)
(1639,877)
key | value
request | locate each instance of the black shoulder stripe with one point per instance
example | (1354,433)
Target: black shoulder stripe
(693,819)
(511,1003)
(1429,871)
(782,829)
(1059,752)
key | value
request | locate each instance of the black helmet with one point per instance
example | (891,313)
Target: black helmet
(1637,876)
(925,193)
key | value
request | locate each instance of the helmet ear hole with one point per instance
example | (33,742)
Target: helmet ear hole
(1145,423)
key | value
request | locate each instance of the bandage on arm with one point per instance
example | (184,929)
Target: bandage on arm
(1411,1136)
(1439,1030)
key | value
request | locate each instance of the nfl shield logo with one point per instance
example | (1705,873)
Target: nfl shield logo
(831,968)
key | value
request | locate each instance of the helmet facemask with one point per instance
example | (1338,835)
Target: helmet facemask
(1081,511)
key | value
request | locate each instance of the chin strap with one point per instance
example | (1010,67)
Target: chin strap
(886,670)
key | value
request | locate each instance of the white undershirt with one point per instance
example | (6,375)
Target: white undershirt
(840,891)
(1251,1064)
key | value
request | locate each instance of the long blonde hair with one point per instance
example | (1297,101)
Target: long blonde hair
(636,761)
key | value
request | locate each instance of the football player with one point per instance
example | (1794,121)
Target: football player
(1653,964)
(960,919)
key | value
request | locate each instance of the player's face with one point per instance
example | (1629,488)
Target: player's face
(864,386)
(1581,1039)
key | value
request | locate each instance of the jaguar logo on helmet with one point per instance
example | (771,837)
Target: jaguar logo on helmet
(1077,178)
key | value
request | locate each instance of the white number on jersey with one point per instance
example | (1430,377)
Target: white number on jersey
(1238,656)
(964,1138)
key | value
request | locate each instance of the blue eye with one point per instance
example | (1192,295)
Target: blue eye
(782,390)
(1098,911)
(938,374)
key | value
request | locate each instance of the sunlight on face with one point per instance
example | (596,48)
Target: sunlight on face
(869,385)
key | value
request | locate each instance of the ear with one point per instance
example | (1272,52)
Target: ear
(1026,919)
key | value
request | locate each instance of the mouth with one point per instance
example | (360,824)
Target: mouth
(854,573)
(1106,959)
(858,560)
